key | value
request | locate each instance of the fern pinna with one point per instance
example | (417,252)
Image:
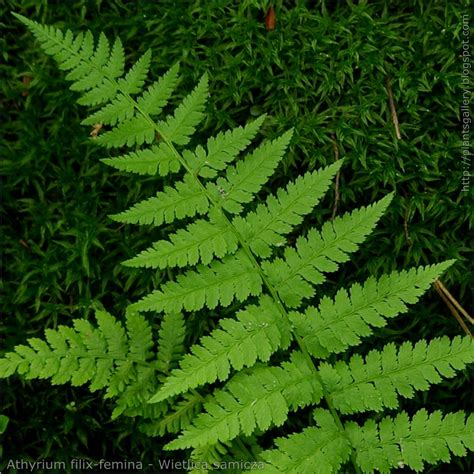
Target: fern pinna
(282,350)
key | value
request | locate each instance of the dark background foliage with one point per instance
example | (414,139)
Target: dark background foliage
(323,71)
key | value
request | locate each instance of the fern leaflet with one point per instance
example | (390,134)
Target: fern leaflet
(320,252)
(257,333)
(400,442)
(257,400)
(376,383)
(184,200)
(148,161)
(201,241)
(320,450)
(340,323)
(218,283)
(170,341)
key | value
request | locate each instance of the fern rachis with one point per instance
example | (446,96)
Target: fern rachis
(231,245)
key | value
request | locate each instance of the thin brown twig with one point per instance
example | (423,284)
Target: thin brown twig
(446,296)
(455,302)
(451,308)
(338,177)
(393,110)
(405,226)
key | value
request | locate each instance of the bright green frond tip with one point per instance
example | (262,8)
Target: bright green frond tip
(245,337)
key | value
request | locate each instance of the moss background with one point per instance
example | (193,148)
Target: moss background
(323,71)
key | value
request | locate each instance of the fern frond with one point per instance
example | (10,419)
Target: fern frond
(118,110)
(201,241)
(105,356)
(232,255)
(401,442)
(89,74)
(140,337)
(320,252)
(115,67)
(231,457)
(247,177)
(135,131)
(223,149)
(255,335)
(134,80)
(175,420)
(159,93)
(133,128)
(182,124)
(132,388)
(91,69)
(170,341)
(266,226)
(104,89)
(375,383)
(209,456)
(319,450)
(253,401)
(103,92)
(340,323)
(148,161)
(186,199)
(220,283)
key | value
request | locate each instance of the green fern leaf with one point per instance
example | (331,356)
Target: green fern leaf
(84,69)
(232,255)
(223,149)
(184,200)
(67,55)
(102,52)
(219,283)
(101,88)
(135,131)
(401,442)
(140,339)
(201,241)
(249,401)
(170,341)
(320,252)
(266,226)
(115,67)
(376,383)
(89,74)
(132,388)
(148,161)
(103,92)
(319,450)
(120,109)
(159,93)
(72,54)
(175,420)
(182,124)
(249,175)
(255,335)
(105,356)
(340,323)
(134,80)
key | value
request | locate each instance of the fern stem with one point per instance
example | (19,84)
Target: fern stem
(198,395)
(242,446)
